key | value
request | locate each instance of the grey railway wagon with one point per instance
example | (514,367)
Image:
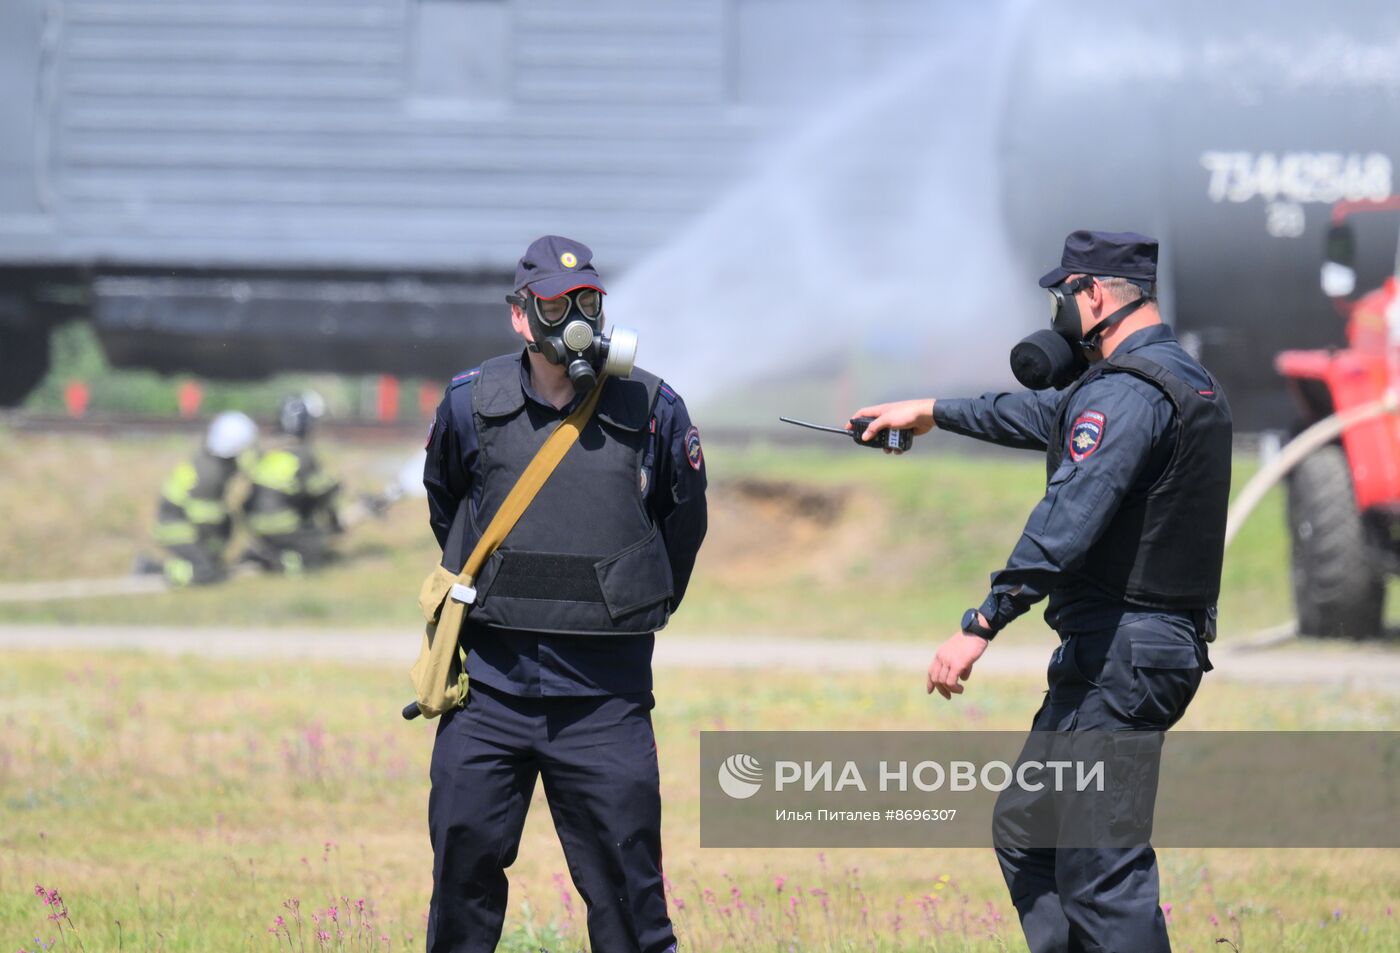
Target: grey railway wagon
(233,187)
(238,186)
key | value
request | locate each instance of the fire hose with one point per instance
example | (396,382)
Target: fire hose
(1314,437)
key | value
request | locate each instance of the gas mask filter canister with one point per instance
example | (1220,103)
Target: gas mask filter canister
(1057,356)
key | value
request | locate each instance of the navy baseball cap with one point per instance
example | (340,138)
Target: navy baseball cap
(1108,254)
(553,266)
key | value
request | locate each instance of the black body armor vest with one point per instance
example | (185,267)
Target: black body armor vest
(586,557)
(1165,546)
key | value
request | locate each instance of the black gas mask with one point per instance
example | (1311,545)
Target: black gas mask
(568,330)
(1057,356)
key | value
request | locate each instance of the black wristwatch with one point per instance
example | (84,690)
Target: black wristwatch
(972,626)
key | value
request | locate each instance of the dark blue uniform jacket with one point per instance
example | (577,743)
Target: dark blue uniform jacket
(1133,449)
(540,664)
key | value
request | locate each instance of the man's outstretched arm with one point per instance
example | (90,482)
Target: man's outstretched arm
(1021,420)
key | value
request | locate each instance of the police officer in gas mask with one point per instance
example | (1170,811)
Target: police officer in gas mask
(1127,546)
(559,638)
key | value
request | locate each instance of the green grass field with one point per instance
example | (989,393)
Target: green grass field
(185,805)
(179,805)
(839,544)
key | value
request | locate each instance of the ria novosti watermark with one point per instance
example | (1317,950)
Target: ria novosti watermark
(741,776)
(905,789)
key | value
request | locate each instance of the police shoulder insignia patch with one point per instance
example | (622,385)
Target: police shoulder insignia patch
(1086,434)
(431,428)
(693,453)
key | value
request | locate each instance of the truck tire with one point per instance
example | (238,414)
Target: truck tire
(1338,585)
(24,360)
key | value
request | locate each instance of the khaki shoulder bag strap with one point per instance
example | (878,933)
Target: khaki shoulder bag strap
(438,679)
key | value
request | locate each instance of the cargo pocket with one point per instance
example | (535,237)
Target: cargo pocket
(637,577)
(1165,678)
(1134,760)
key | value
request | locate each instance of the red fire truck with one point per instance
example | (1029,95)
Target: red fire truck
(1344,499)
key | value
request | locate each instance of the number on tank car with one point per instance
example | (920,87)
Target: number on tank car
(1300,177)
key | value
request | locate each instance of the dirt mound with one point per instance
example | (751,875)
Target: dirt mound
(760,527)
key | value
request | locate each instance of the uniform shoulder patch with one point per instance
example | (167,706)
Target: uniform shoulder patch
(665,391)
(465,377)
(432,428)
(1086,435)
(693,454)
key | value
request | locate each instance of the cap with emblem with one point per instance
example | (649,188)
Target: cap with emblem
(1109,254)
(554,265)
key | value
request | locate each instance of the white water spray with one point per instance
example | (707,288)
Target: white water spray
(868,247)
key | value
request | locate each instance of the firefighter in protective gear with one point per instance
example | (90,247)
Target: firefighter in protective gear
(193,522)
(291,511)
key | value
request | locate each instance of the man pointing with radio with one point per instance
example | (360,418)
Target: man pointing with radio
(1127,544)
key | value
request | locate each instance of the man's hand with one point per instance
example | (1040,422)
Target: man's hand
(916,415)
(952,662)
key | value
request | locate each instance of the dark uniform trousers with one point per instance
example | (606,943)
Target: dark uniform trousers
(1138,674)
(597,758)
